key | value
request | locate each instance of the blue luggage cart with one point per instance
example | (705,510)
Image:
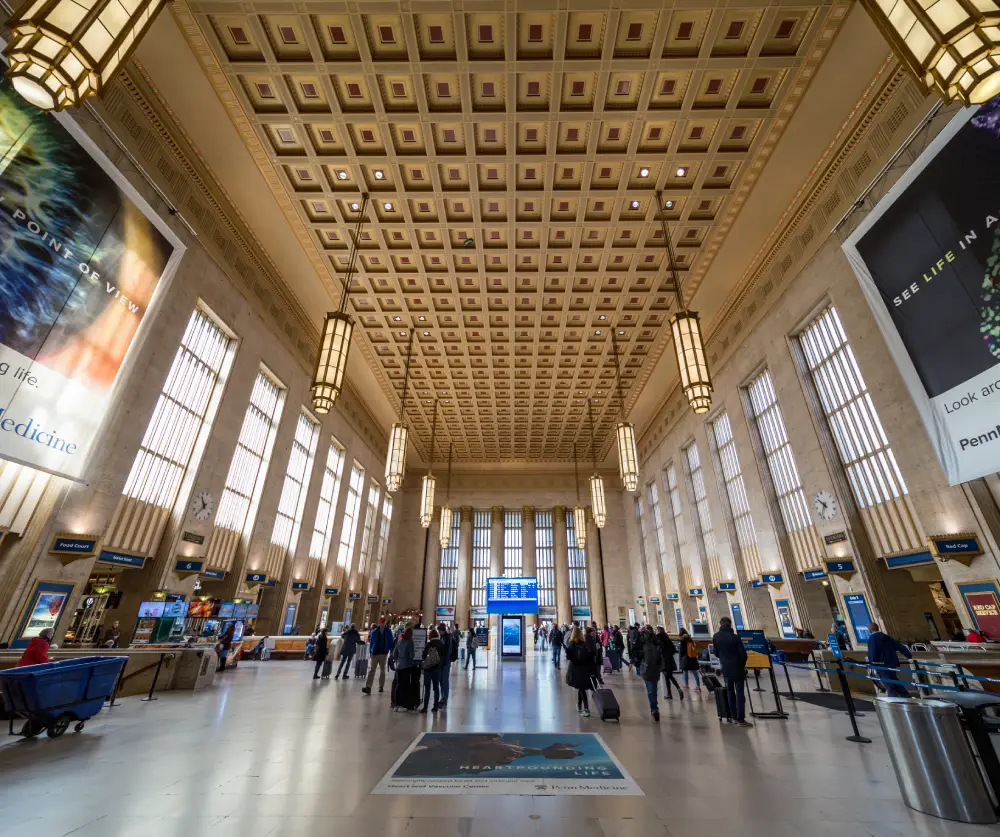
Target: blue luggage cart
(51,696)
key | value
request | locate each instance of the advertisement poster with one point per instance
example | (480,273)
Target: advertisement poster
(83,259)
(45,606)
(514,763)
(511,637)
(755,643)
(785,617)
(928,260)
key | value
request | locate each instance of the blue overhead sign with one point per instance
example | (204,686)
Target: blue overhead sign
(813,575)
(121,559)
(512,595)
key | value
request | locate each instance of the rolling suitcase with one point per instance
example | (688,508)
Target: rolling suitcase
(714,685)
(327,668)
(361,665)
(607,664)
(605,702)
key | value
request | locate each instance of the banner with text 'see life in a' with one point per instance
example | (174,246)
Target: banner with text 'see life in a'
(928,260)
(83,260)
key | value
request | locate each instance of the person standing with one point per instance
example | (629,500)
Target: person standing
(618,644)
(689,659)
(581,668)
(543,635)
(37,651)
(884,650)
(733,659)
(431,665)
(224,646)
(471,643)
(638,652)
(556,638)
(449,644)
(407,695)
(669,665)
(349,640)
(113,636)
(652,668)
(380,642)
(632,636)
(596,651)
(322,652)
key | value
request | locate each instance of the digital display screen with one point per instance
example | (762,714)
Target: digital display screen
(151,610)
(199,610)
(512,595)
(252,611)
(175,610)
(226,610)
(510,639)
(240,611)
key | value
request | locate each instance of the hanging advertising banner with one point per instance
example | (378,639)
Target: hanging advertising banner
(83,259)
(928,260)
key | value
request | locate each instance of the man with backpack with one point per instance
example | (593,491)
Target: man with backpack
(556,638)
(380,642)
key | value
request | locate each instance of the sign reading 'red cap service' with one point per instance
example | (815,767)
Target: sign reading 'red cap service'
(82,258)
(928,259)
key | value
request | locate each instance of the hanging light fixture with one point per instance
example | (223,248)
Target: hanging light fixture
(598,506)
(951,46)
(331,363)
(696,381)
(395,460)
(445,534)
(579,512)
(427,490)
(628,458)
(63,52)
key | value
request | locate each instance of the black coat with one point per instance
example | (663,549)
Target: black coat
(652,660)
(322,648)
(446,643)
(688,663)
(434,643)
(350,638)
(582,665)
(668,649)
(618,640)
(731,653)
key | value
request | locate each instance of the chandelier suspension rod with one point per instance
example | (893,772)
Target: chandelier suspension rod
(406,378)
(593,440)
(447,490)
(618,376)
(434,424)
(661,211)
(352,262)
(576,475)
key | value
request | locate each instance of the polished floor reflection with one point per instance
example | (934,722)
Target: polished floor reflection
(272,752)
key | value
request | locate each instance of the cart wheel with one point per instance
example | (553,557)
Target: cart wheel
(31,729)
(59,725)
(78,727)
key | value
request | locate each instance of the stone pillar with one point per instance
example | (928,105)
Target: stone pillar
(561,548)
(432,569)
(528,568)
(595,573)
(464,593)
(496,549)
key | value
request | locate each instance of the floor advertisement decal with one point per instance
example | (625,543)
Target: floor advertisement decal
(519,763)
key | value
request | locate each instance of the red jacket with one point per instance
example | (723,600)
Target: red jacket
(35,653)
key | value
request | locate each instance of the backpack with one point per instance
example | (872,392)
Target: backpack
(692,650)
(454,646)
(432,660)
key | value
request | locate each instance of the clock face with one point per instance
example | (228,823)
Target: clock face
(825,505)
(202,506)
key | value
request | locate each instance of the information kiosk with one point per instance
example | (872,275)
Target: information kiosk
(511,599)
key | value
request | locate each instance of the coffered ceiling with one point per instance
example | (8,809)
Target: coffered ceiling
(511,152)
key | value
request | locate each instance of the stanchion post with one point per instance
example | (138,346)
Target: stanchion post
(819,677)
(756,674)
(156,676)
(118,683)
(788,680)
(857,738)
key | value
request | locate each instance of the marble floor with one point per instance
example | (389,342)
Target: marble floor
(269,751)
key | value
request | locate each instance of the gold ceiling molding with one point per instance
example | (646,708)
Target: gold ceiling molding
(891,97)
(830,27)
(196,40)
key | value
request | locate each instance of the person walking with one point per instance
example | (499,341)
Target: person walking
(407,694)
(449,642)
(380,642)
(669,664)
(224,646)
(638,653)
(631,637)
(431,665)
(689,659)
(652,668)
(884,651)
(543,635)
(597,652)
(618,644)
(556,638)
(322,652)
(534,634)
(580,669)
(349,640)
(733,659)
(471,644)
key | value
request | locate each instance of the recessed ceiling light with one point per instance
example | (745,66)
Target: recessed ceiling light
(422,318)
(622,331)
(396,319)
(643,172)
(634,204)
(355,206)
(597,332)
(682,172)
(388,206)
(341,174)
(402,334)
(603,317)
(427,334)
(668,205)
(379,174)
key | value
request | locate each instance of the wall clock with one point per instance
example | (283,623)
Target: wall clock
(202,506)
(825,505)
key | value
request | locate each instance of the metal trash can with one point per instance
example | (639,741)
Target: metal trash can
(934,766)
